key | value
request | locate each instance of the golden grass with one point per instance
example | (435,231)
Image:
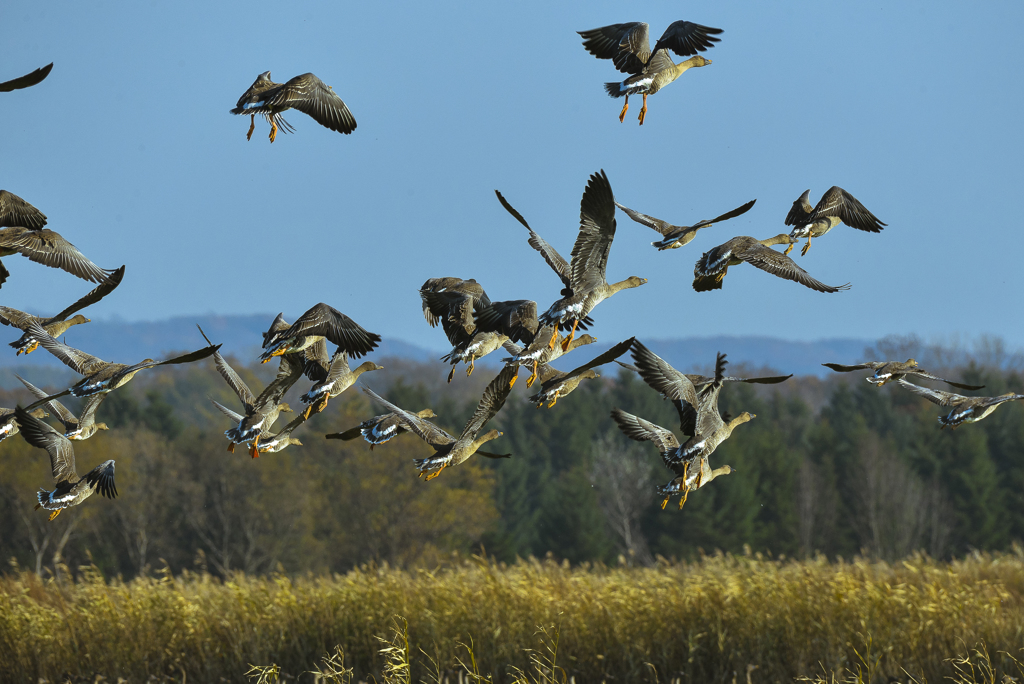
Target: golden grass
(703,621)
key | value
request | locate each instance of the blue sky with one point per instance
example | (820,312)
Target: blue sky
(129,149)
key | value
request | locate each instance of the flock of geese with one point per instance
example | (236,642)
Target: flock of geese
(474,325)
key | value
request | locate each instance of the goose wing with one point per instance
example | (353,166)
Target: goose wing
(288,373)
(15,211)
(867,365)
(935,396)
(326,321)
(628,45)
(18,319)
(311,96)
(686,38)
(491,402)
(102,476)
(838,202)
(555,260)
(197,355)
(40,435)
(663,227)
(589,257)
(925,374)
(66,417)
(778,264)
(93,296)
(236,417)
(515,319)
(738,211)
(641,430)
(76,360)
(234,381)
(801,210)
(27,80)
(424,429)
(662,377)
(51,249)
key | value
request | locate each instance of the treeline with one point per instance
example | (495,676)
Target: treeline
(829,465)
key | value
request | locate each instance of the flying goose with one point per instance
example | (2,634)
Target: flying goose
(541,351)
(887,371)
(306,93)
(452,451)
(835,206)
(322,322)
(26,81)
(102,376)
(339,378)
(380,429)
(677,236)
(260,412)
(713,265)
(77,429)
(71,490)
(965,409)
(589,260)
(59,324)
(629,47)
(558,384)
(672,384)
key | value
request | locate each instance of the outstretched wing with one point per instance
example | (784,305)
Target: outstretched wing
(103,477)
(662,377)
(491,402)
(838,202)
(867,365)
(26,81)
(76,360)
(555,260)
(424,429)
(40,435)
(778,264)
(234,381)
(935,396)
(801,210)
(597,230)
(686,38)
(311,96)
(51,249)
(326,321)
(93,296)
(627,45)
(641,430)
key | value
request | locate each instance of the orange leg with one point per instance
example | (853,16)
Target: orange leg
(665,502)
(625,108)
(533,378)
(231,447)
(273,130)
(55,513)
(431,476)
(572,333)
(452,374)
(255,452)
(643,110)
(512,382)
(472,364)
(252,126)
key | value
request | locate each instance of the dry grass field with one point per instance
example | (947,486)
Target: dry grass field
(705,621)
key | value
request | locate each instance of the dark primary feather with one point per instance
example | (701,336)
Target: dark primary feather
(555,260)
(325,321)
(51,249)
(589,259)
(835,202)
(27,80)
(42,436)
(311,96)
(627,45)
(686,38)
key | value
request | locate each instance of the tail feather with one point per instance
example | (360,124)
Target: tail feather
(614,89)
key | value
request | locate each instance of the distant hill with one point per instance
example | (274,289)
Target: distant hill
(115,340)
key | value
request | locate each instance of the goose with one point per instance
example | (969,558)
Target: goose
(452,302)
(306,93)
(677,236)
(449,450)
(260,412)
(835,206)
(557,385)
(26,81)
(887,371)
(9,422)
(339,378)
(541,351)
(57,325)
(71,490)
(699,419)
(965,409)
(102,376)
(713,265)
(380,429)
(322,322)
(629,47)
(589,260)
(75,429)
(469,349)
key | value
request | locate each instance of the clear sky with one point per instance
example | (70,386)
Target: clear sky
(130,150)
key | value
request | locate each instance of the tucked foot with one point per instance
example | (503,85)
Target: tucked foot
(55,513)
(553,400)
(252,126)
